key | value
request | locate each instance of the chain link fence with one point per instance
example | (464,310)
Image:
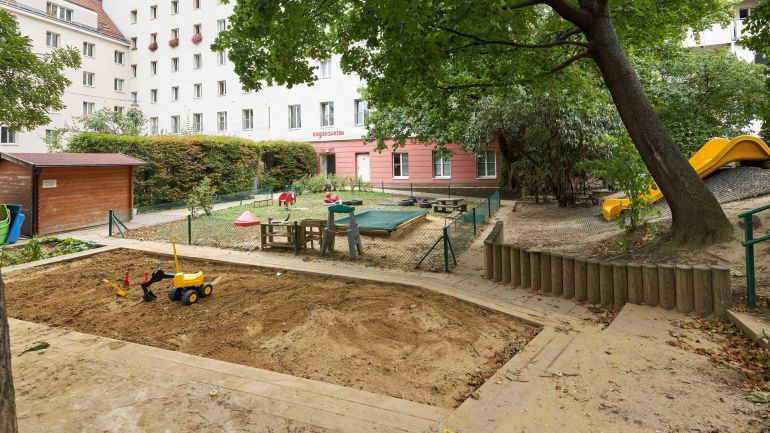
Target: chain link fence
(434,244)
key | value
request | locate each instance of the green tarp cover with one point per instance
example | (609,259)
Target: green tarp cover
(381,219)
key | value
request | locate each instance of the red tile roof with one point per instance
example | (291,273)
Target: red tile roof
(106,26)
(71,159)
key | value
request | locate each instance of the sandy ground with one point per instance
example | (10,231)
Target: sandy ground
(382,338)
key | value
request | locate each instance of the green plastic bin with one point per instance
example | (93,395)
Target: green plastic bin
(5,223)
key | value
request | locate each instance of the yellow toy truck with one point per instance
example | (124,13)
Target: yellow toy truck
(187,287)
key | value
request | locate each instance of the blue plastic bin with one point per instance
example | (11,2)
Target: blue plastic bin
(17,220)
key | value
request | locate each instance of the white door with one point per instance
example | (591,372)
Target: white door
(362,167)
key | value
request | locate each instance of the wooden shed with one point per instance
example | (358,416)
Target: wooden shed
(66,191)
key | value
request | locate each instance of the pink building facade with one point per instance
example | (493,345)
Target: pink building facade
(414,164)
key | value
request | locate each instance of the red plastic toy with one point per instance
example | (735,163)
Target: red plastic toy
(287,199)
(331,198)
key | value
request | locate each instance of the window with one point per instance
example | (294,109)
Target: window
(744,13)
(222,87)
(760,59)
(88,79)
(326,68)
(154,38)
(295,116)
(174,64)
(197,29)
(56,11)
(154,67)
(174,7)
(401,165)
(221,58)
(327,114)
(486,164)
(153,12)
(221,25)
(134,97)
(134,16)
(52,39)
(118,109)
(133,43)
(154,125)
(153,95)
(441,164)
(222,121)
(248,119)
(133,71)
(175,124)
(88,108)
(362,112)
(119,57)
(88,49)
(174,33)
(197,122)
(197,61)
(175,93)
(7,135)
(196,4)
(119,84)
(198,91)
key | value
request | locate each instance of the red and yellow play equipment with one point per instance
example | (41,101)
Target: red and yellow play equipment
(715,154)
(187,287)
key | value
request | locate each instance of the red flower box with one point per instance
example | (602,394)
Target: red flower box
(173,43)
(153,46)
(197,38)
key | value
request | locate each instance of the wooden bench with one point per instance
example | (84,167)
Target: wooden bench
(263,196)
(452,217)
(438,207)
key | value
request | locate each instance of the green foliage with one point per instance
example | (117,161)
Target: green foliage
(286,162)
(37,249)
(129,122)
(31,85)
(202,198)
(756,33)
(625,170)
(701,94)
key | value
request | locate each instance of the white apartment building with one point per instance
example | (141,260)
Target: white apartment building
(727,37)
(102,81)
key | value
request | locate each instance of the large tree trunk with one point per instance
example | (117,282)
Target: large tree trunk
(697,216)
(7,401)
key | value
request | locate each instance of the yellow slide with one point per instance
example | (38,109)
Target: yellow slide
(715,154)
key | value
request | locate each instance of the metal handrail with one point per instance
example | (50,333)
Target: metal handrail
(748,243)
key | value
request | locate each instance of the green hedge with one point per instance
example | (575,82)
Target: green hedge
(176,164)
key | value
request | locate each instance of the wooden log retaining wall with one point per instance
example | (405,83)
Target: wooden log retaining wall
(704,290)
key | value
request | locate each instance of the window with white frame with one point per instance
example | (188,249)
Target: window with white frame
(222,88)
(295,116)
(400,165)
(197,61)
(154,125)
(198,122)
(486,164)
(133,43)
(134,97)
(221,25)
(174,7)
(221,58)
(88,79)
(153,12)
(153,96)
(198,90)
(52,39)
(88,108)
(175,93)
(56,11)
(744,13)
(119,56)
(119,82)
(196,4)
(248,119)
(154,38)
(134,16)
(174,33)
(197,29)
(133,71)
(326,68)
(154,67)
(7,135)
(175,64)
(441,165)
(88,49)
(175,124)
(362,112)
(222,121)
(327,114)
(118,109)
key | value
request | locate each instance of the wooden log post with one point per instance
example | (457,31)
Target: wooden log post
(721,290)
(506,264)
(592,282)
(581,280)
(488,259)
(545,272)
(497,262)
(635,284)
(568,277)
(650,281)
(515,266)
(703,299)
(557,287)
(606,290)
(526,281)
(534,270)
(619,283)
(684,293)
(666,286)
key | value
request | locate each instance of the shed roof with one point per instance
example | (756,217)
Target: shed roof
(43,160)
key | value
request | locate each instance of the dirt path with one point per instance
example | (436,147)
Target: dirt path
(382,338)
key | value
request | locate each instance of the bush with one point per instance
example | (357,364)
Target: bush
(202,198)
(286,162)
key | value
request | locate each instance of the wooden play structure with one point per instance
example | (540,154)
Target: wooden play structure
(331,231)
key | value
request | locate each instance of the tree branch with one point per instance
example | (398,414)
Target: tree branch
(571,60)
(472,86)
(570,12)
(482,41)
(522,4)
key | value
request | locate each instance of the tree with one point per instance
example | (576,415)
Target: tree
(425,48)
(105,121)
(30,86)
(757,38)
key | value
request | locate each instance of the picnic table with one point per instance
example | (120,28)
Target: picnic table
(450,204)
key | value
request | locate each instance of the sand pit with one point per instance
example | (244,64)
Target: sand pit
(382,338)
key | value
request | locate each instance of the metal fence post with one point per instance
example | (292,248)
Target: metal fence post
(748,228)
(474,221)
(446,250)
(189,229)
(411,189)
(295,238)
(489,206)
(449,188)
(110,217)
(382,184)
